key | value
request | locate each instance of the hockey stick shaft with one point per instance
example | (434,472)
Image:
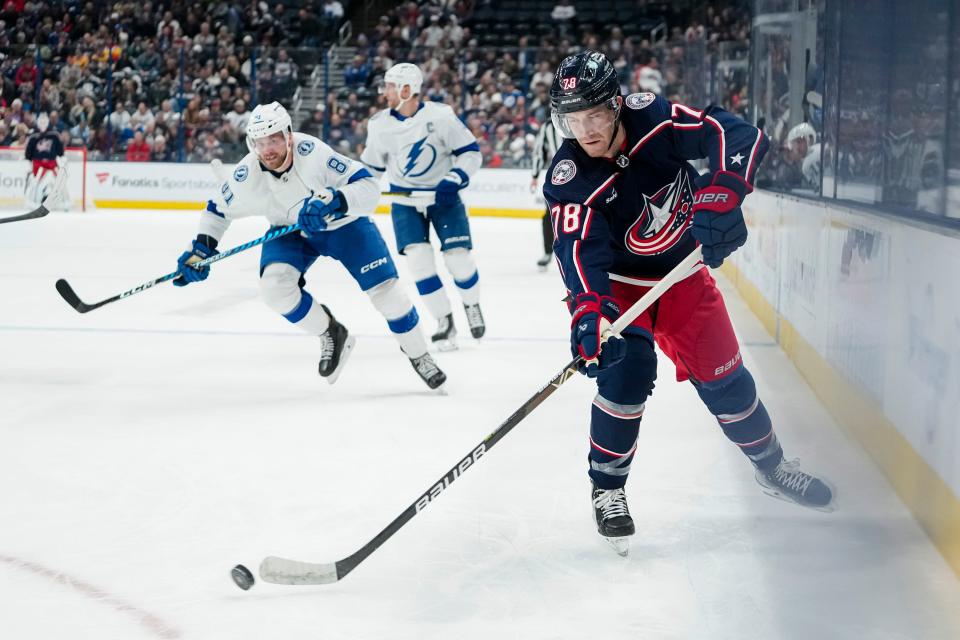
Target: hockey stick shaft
(68,294)
(282,571)
(39,212)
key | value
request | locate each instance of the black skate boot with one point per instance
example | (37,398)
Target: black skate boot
(446,335)
(613,519)
(337,345)
(787,482)
(475,320)
(428,370)
(544,261)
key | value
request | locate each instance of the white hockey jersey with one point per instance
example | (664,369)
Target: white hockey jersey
(252,190)
(417,152)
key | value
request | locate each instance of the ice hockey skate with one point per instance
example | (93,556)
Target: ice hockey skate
(787,481)
(428,371)
(475,320)
(612,516)
(544,262)
(446,336)
(337,346)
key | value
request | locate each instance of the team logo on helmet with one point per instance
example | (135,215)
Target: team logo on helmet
(640,100)
(241,172)
(304,147)
(563,172)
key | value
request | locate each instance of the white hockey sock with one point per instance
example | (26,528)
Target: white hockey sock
(424,269)
(279,286)
(390,300)
(462,267)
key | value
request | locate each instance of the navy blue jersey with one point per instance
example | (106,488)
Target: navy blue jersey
(634,221)
(44,146)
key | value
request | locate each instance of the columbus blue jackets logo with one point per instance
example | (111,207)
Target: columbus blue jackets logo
(563,172)
(420,158)
(664,219)
(241,172)
(304,147)
(640,100)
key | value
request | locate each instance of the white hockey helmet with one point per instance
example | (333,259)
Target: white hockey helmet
(802,130)
(404,73)
(266,120)
(43,121)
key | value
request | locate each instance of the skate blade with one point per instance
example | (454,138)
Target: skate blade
(620,544)
(344,356)
(445,345)
(827,508)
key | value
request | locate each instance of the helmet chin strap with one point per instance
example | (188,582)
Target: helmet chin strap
(616,130)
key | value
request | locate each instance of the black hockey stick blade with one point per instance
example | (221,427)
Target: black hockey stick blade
(68,294)
(39,212)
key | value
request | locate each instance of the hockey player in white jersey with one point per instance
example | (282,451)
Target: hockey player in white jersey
(423,147)
(295,178)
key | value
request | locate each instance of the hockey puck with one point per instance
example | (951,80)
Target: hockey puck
(242,577)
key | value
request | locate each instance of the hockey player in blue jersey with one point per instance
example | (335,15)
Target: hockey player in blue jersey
(47,180)
(292,178)
(627,206)
(423,147)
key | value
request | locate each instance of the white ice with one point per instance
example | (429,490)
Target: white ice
(150,445)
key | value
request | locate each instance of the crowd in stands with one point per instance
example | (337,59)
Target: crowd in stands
(151,80)
(501,92)
(172,80)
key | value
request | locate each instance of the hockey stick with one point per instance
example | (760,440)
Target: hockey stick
(65,290)
(418,193)
(283,571)
(39,212)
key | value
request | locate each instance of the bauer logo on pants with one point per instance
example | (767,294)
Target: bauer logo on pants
(563,172)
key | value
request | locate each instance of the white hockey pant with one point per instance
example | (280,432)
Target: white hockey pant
(392,302)
(463,268)
(423,267)
(280,289)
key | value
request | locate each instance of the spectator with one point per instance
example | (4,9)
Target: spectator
(309,28)
(358,73)
(330,17)
(138,150)
(285,74)
(649,77)
(26,76)
(564,13)
(159,149)
(119,122)
(142,119)
(235,122)
(314,126)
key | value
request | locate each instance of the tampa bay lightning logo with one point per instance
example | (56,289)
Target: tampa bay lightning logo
(665,217)
(241,172)
(420,158)
(304,147)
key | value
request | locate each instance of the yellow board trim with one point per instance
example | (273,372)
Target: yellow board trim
(382,208)
(149,204)
(928,497)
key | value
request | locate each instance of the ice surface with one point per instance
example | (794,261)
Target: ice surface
(150,445)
